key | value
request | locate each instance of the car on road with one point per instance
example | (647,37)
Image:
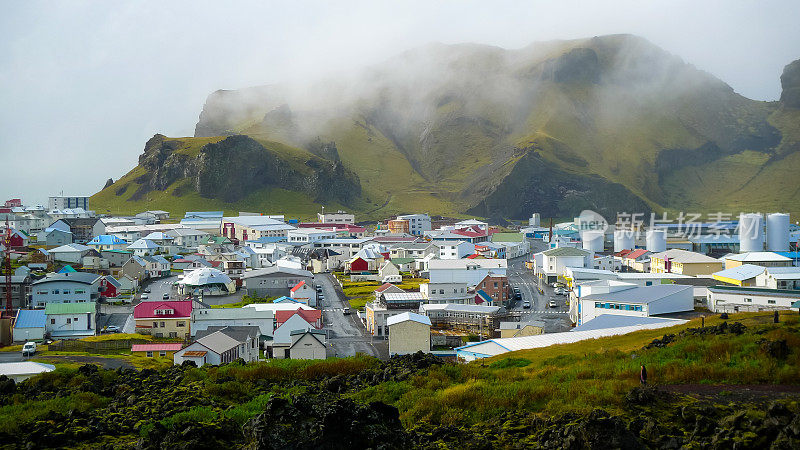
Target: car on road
(147,290)
(29,349)
(112,329)
(526,305)
(560,291)
(165,296)
(346,311)
(144,296)
(553,304)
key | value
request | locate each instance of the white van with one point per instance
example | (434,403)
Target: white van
(393,279)
(29,349)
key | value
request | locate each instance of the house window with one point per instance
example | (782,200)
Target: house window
(69,320)
(181,324)
(75,319)
(66,291)
(52,321)
(748,300)
(162,353)
(771,302)
(149,354)
(162,324)
(55,291)
(173,334)
(155,324)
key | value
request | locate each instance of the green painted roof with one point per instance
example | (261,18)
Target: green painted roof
(565,251)
(507,237)
(70,308)
(401,260)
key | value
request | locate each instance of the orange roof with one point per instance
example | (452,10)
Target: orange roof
(636,253)
(622,252)
(194,353)
(383,287)
(298,286)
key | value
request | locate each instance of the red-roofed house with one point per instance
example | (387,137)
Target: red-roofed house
(638,260)
(388,288)
(151,350)
(358,265)
(289,321)
(164,319)
(302,292)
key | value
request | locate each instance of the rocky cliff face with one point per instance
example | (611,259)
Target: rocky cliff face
(234,167)
(790,82)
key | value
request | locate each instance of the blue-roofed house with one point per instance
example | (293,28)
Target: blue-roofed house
(107,242)
(29,325)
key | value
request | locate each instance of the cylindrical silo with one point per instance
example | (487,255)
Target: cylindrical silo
(593,241)
(656,240)
(535,220)
(623,240)
(778,232)
(751,233)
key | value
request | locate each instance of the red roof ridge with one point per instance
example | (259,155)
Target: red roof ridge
(297,286)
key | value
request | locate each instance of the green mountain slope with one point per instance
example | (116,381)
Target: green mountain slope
(613,123)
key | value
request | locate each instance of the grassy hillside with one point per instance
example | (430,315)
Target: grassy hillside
(586,393)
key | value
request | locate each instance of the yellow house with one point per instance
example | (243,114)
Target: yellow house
(763,259)
(744,275)
(684,262)
(169,319)
(520,329)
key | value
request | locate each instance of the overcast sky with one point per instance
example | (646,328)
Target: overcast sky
(83,85)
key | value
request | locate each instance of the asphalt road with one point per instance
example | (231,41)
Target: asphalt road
(346,333)
(11,357)
(556,319)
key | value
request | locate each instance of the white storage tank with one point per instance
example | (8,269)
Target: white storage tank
(623,240)
(656,240)
(593,241)
(778,232)
(535,220)
(751,233)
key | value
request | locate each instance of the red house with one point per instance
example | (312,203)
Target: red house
(18,238)
(109,286)
(359,265)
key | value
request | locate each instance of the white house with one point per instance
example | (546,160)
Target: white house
(302,292)
(418,224)
(72,253)
(187,237)
(337,217)
(556,260)
(29,325)
(308,344)
(144,247)
(216,348)
(308,235)
(464,271)
(70,320)
(779,278)
(454,250)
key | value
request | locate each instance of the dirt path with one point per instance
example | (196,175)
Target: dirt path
(739,392)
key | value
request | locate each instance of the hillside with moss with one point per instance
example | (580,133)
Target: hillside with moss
(728,384)
(610,123)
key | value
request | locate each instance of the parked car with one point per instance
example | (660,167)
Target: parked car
(147,290)
(165,296)
(553,304)
(393,279)
(526,305)
(560,291)
(144,296)
(555,285)
(346,311)
(29,349)
(112,329)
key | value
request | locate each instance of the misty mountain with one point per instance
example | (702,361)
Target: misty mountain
(610,123)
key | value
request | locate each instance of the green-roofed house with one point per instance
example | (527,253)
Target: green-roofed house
(404,264)
(555,260)
(70,320)
(515,243)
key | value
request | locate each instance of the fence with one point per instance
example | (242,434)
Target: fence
(96,346)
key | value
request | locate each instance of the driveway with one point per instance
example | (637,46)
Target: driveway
(346,333)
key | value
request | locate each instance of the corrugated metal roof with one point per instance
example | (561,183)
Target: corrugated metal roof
(70,308)
(565,251)
(30,318)
(406,316)
(740,273)
(641,294)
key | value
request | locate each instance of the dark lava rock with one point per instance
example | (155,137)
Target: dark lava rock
(325,421)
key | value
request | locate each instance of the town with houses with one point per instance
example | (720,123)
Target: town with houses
(212,288)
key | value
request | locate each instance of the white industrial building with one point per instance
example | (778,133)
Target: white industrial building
(308,235)
(637,301)
(733,299)
(464,271)
(494,347)
(418,224)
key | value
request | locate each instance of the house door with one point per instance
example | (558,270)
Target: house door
(286,354)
